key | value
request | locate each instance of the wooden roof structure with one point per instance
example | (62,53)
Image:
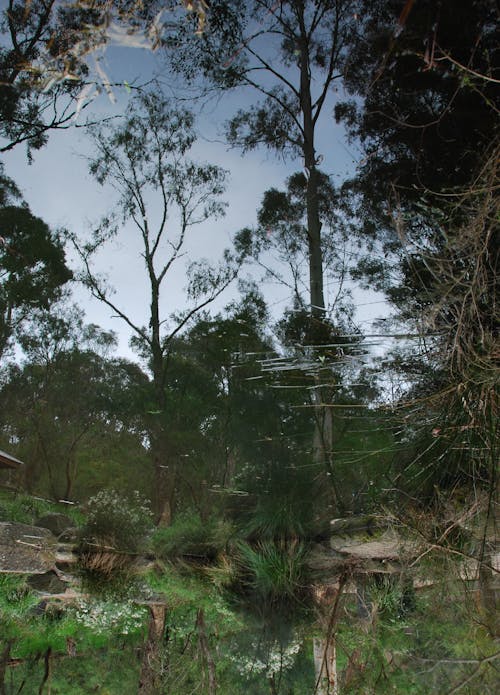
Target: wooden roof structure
(9,462)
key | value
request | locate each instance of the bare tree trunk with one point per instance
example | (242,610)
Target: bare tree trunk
(151,667)
(164,473)
(309,153)
(70,470)
(47,672)
(324,648)
(323,441)
(162,484)
(4,660)
(323,431)
(325,667)
(488,595)
(202,637)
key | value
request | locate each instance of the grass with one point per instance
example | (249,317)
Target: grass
(26,509)
(274,572)
(191,537)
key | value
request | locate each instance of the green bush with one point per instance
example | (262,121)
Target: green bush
(189,536)
(115,528)
(25,509)
(275,572)
(16,598)
(117,522)
(277,521)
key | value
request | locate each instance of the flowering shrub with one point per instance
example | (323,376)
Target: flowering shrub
(103,617)
(277,660)
(113,531)
(116,521)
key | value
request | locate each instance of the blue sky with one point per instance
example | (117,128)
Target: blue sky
(59,189)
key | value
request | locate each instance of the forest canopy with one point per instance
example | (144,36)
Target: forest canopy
(288,482)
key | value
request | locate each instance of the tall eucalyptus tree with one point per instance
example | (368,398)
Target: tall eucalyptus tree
(292,54)
(163,196)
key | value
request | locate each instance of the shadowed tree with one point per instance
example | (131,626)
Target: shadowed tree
(425,197)
(426,115)
(35,86)
(292,54)
(32,269)
(145,159)
(46,77)
(60,430)
(50,57)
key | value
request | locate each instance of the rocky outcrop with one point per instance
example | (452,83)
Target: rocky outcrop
(26,549)
(56,523)
(362,545)
(47,583)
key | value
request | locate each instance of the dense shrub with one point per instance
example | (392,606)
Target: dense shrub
(114,529)
(273,571)
(23,509)
(189,536)
(26,509)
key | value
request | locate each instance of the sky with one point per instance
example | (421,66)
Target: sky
(59,189)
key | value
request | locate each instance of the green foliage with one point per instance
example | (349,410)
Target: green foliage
(15,597)
(247,652)
(9,192)
(280,517)
(274,572)
(110,669)
(25,509)
(390,598)
(64,434)
(116,520)
(430,649)
(192,537)
(32,72)
(33,269)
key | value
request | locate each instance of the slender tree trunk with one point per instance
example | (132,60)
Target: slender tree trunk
(5,329)
(323,430)
(70,466)
(325,667)
(47,672)
(488,595)
(207,656)
(314,237)
(164,471)
(273,689)
(324,648)
(72,462)
(151,668)
(4,660)
(323,440)
(312,202)
(164,478)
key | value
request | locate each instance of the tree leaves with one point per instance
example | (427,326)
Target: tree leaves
(33,268)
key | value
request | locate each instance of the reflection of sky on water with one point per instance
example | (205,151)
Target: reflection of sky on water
(59,189)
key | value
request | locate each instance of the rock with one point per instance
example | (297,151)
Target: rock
(66,554)
(70,535)
(55,522)
(48,583)
(388,546)
(355,524)
(26,549)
